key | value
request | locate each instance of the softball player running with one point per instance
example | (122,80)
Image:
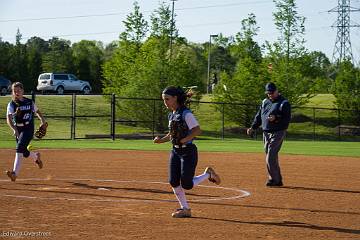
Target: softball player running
(183,128)
(20,118)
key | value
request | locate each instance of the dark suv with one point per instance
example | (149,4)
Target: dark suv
(5,86)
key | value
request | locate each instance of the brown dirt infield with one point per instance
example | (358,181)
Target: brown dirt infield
(72,197)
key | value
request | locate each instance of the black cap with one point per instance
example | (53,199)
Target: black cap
(270,87)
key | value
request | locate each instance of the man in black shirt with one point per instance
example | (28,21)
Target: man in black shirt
(274,117)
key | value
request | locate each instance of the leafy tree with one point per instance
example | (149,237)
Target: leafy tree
(119,70)
(291,27)
(316,67)
(161,24)
(245,44)
(88,59)
(18,63)
(347,91)
(36,48)
(285,54)
(245,85)
(59,57)
(221,57)
(5,56)
(145,69)
(110,50)
(136,26)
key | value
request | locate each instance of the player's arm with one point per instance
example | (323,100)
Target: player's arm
(255,124)
(194,127)
(195,131)
(9,119)
(39,114)
(158,139)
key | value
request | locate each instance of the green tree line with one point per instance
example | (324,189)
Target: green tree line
(150,55)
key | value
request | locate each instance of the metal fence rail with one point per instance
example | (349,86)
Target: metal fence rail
(100,116)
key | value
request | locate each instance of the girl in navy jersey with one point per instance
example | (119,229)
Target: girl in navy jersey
(20,118)
(184,155)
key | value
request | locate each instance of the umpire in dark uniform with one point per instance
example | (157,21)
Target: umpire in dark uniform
(274,116)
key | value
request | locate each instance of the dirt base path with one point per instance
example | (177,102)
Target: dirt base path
(108,194)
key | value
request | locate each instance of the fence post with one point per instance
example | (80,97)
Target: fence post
(256,131)
(33,95)
(223,121)
(112,117)
(339,124)
(314,124)
(153,120)
(73,117)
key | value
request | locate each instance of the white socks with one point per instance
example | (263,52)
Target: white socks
(17,163)
(33,155)
(198,179)
(180,195)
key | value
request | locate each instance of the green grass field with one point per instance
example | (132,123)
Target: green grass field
(322,101)
(58,110)
(325,148)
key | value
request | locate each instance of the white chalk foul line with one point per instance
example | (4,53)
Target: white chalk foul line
(240,193)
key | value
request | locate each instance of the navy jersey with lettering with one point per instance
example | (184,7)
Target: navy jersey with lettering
(23,111)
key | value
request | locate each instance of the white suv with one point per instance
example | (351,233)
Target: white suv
(61,82)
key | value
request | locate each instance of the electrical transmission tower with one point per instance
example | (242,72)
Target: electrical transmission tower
(342,49)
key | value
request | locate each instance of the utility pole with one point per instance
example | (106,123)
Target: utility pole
(209,58)
(342,49)
(172,27)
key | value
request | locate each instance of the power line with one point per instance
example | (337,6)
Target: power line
(65,17)
(123,13)
(224,5)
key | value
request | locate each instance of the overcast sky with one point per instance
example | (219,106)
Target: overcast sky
(196,19)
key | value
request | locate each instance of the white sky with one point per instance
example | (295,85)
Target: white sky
(195,19)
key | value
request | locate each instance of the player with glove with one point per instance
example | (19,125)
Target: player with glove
(41,131)
(20,118)
(183,128)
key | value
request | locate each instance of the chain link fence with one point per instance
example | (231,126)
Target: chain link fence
(109,116)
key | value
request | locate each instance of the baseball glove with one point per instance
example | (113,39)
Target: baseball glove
(41,132)
(178,131)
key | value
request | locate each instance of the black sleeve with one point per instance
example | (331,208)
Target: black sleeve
(286,113)
(257,119)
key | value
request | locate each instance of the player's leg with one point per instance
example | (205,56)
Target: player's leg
(174,180)
(35,156)
(20,149)
(189,162)
(28,152)
(208,174)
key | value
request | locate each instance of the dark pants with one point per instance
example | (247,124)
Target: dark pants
(25,136)
(182,165)
(272,146)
